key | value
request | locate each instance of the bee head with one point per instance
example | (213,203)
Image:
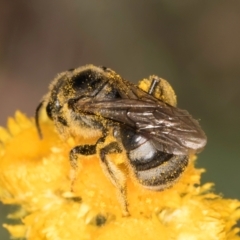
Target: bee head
(74,84)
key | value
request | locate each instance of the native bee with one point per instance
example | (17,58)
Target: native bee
(156,136)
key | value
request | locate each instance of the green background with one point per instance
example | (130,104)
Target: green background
(195,45)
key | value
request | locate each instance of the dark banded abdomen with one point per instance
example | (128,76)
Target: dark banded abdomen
(154,169)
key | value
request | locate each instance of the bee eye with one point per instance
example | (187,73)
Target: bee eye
(53,107)
(49,110)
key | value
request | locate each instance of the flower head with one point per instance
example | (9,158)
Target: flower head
(34,174)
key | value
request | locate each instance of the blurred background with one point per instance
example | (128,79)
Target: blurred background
(195,45)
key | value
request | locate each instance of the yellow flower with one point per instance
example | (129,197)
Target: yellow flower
(34,174)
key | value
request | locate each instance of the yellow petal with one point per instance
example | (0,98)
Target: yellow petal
(35,174)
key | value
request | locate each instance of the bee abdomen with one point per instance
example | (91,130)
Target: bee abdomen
(155,169)
(164,174)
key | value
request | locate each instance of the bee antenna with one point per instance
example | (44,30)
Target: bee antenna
(37,119)
(154,83)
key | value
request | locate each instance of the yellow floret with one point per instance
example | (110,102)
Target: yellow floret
(34,174)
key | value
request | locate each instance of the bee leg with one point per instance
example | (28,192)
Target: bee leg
(83,150)
(73,156)
(115,174)
(153,85)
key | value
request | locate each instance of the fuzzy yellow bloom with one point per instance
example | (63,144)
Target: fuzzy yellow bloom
(34,174)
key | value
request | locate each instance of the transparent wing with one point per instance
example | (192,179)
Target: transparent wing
(171,129)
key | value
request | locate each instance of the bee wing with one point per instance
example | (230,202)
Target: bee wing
(171,129)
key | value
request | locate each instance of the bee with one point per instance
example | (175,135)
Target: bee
(156,136)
